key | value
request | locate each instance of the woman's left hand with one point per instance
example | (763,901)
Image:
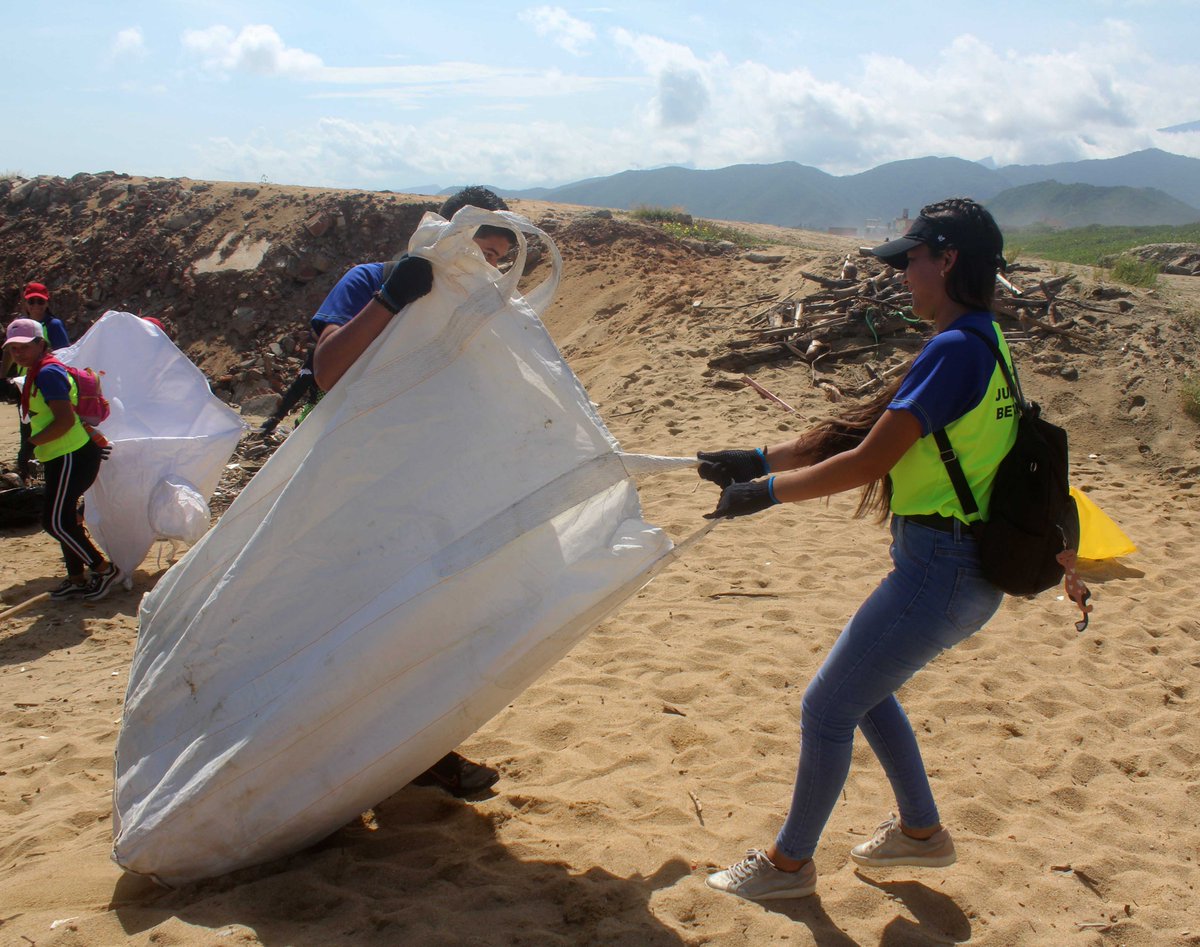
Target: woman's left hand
(742,499)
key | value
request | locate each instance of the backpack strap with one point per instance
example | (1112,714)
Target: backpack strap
(1010,375)
(31,381)
(962,488)
(966,498)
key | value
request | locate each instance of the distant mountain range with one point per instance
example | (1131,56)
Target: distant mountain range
(1142,188)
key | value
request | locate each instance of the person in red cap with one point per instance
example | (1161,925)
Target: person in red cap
(35,305)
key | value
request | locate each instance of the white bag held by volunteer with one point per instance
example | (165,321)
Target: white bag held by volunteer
(165,423)
(448,521)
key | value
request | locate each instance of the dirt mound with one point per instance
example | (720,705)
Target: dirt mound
(236,270)
(229,268)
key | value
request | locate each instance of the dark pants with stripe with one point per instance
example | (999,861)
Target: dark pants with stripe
(67,479)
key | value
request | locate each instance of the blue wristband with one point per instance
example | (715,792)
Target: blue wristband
(762,455)
(771,489)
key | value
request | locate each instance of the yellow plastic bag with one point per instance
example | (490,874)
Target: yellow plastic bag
(1099,536)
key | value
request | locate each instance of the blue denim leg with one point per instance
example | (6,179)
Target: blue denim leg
(934,597)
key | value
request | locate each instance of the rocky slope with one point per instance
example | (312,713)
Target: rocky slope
(236,270)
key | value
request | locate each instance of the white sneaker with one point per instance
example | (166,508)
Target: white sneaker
(890,846)
(756,879)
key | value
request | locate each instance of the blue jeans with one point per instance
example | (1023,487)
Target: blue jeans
(934,597)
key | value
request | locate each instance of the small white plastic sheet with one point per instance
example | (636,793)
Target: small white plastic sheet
(178,511)
(165,422)
(448,521)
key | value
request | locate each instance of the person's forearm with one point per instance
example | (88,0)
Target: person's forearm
(52,431)
(340,346)
(839,473)
(892,435)
(788,456)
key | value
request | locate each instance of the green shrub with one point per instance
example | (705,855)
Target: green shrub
(1134,272)
(661,215)
(708,232)
(683,226)
(1190,393)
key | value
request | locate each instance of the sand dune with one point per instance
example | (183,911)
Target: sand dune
(1067,765)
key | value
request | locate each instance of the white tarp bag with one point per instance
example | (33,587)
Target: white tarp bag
(165,422)
(178,511)
(447,522)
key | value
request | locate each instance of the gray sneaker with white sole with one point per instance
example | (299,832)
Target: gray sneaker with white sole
(890,846)
(756,879)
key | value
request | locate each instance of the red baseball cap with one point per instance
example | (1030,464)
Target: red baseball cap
(37,291)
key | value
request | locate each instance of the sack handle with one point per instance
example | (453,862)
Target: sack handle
(962,488)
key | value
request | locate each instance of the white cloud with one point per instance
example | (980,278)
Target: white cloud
(256,49)
(1101,97)
(570,33)
(129,43)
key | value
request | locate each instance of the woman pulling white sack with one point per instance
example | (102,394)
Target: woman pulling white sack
(451,518)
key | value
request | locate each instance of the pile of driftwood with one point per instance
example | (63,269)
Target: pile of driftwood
(869,319)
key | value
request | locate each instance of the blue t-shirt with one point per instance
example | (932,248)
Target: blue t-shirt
(348,297)
(950,376)
(53,383)
(56,332)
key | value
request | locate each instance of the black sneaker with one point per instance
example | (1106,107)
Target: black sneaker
(458,776)
(101,583)
(69,590)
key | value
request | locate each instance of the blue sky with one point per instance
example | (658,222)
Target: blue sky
(401,94)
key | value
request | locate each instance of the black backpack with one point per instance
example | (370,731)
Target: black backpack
(1032,517)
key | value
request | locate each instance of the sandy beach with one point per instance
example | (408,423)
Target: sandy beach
(663,746)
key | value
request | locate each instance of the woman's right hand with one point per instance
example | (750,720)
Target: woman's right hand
(724,467)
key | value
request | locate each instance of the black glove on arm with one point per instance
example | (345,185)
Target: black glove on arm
(410,279)
(724,467)
(742,499)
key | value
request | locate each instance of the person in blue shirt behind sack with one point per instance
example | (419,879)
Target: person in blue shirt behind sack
(70,455)
(364,300)
(936,595)
(354,314)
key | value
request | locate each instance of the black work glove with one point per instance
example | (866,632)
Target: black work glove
(410,279)
(724,467)
(105,452)
(742,499)
(269,426)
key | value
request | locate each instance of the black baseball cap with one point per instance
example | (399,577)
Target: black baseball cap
(940,234)
(933,233)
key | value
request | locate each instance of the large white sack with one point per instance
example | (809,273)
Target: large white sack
(448,521)
(165,423)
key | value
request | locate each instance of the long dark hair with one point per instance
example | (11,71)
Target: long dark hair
(835,435)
